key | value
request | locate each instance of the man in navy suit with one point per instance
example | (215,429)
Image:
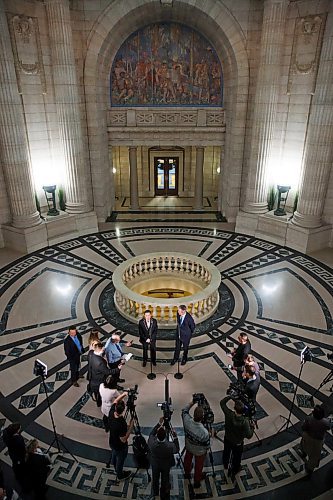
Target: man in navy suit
(73,349)
(185,329)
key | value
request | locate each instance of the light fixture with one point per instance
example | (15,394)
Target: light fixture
(167,3)
(51,201)
(114,170)
(282,198)
(218,170)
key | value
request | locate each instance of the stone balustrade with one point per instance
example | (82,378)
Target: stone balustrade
(161,265)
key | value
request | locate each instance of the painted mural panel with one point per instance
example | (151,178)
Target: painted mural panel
(166,64)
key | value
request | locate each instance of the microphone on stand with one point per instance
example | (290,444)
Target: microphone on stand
(151,375)
(178,375)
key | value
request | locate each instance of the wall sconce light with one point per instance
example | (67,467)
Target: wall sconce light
(282,199)
(51,201)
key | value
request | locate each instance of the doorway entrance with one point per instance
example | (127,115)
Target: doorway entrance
(166,171)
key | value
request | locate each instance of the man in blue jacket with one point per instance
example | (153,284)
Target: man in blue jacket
(184,332)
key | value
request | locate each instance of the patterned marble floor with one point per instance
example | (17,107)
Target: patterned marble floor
(281,298)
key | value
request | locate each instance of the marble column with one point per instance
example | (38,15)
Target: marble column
(68,104)
(14,148)
(318,150)
(265,104)
(198,186)
(134,187)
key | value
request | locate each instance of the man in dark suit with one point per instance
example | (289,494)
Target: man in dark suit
(162,459)
(185,329)
(147,337)
(73,349)
(98,370)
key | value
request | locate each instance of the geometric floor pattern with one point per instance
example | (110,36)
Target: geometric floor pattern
(281,298)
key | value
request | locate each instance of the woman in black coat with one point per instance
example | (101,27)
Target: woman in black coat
(38,468)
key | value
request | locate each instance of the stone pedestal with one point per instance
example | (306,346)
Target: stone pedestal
(282,231)
(25,240)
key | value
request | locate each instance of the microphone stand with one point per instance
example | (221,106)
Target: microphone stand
(151,375)
(178,375)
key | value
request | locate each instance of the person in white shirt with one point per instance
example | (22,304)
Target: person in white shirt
(108,392)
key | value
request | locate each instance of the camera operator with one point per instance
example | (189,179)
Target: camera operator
(240,353)
(197,442)
(251,382)
(119,434)
(162,459)
(237,428)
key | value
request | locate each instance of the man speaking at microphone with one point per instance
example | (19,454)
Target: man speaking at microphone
(185,329)
(147,336)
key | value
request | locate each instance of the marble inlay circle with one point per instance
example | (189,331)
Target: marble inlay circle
(281,298)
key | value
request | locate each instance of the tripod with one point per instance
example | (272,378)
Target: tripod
(288,419)
(326,380)
(56,440)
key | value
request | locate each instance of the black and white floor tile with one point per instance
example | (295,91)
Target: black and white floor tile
(281,298)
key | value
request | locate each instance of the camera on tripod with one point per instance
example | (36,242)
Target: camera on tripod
(167,411)
(237,392)
(200,399)
(132,396)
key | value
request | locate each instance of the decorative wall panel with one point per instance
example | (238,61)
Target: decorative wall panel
(166,64)
(24,34)
(305,55)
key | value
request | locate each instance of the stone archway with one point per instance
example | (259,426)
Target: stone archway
(114,25)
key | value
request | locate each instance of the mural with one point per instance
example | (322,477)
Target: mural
(166,64)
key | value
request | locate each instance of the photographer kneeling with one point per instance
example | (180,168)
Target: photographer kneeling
(237,428)
(119,434)
(197,442)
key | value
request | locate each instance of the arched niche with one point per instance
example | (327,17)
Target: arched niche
(215,22)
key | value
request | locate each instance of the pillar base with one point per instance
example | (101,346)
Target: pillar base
(282,231)
(51,231)
(308,240)
(25,240)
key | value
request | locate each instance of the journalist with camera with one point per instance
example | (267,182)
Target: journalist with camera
(251,382)
(162,458)
(197,441)
(119,434)
(240,354)
(238,426)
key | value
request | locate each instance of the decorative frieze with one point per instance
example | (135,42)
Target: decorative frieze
(305,54)
(27,51)
(156,117)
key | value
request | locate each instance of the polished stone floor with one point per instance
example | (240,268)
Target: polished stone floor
(281,298)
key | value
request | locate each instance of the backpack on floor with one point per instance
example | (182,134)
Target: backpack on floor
(140,452)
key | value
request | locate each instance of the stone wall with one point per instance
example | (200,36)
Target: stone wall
(235,29)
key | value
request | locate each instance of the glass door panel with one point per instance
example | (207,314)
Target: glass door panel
(166,176)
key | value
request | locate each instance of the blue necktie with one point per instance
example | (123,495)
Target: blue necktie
(119,349)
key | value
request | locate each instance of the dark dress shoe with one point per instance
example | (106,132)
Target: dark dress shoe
(154,363)
(173,362)
(76,384)
(121,380)
(183,362)
(144,363)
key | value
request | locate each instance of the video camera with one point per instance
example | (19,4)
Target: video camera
(200,399)
(167,411)
(237,392)
(132,397)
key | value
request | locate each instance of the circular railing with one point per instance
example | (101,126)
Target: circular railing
(187,267)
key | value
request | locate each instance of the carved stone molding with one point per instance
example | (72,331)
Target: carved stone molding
(307,42)
(170,118)
(27,51)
